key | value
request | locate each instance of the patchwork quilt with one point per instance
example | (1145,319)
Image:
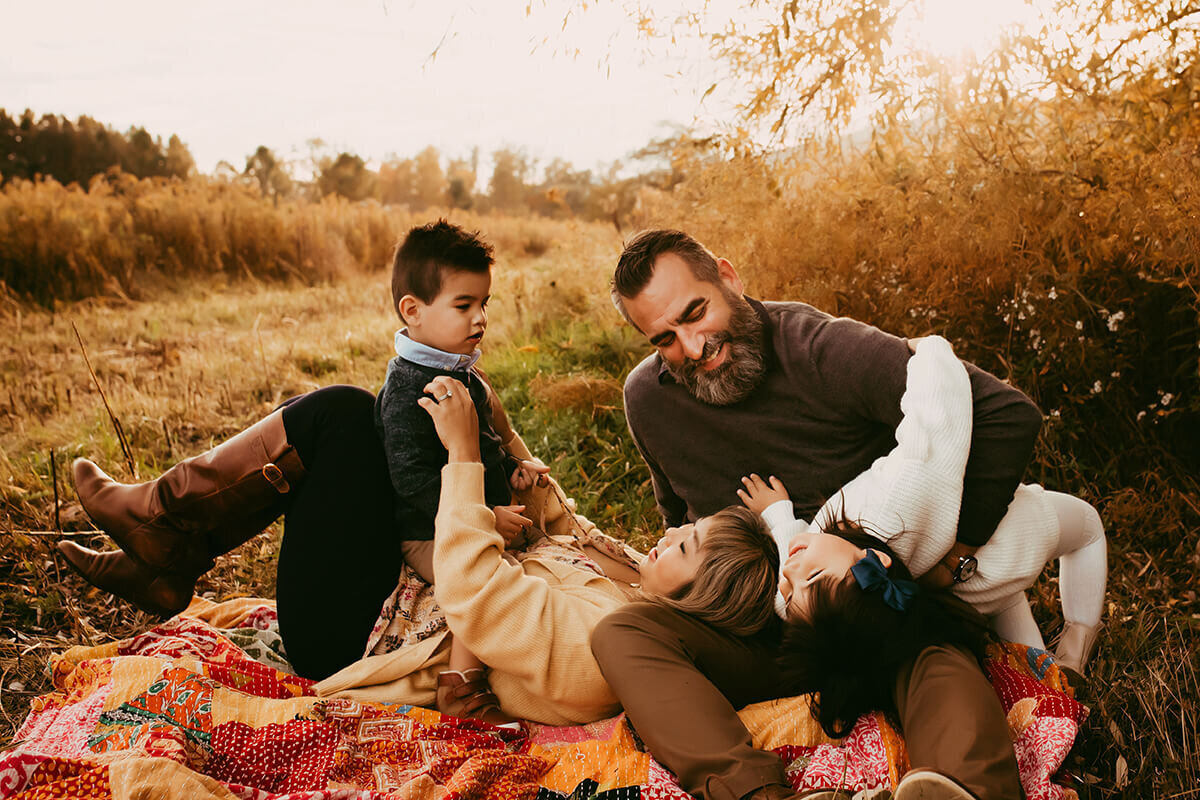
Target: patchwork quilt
(205,706)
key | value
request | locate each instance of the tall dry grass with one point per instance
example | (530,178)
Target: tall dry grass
(66,243)
(122,236)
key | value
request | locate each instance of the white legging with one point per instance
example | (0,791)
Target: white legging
(1083,573)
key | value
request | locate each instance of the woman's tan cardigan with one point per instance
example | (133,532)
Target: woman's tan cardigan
(530,622)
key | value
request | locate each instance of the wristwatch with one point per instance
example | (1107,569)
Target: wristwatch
(965,569)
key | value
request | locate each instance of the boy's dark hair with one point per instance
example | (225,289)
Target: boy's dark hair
(427,252)
(850,646)
(635,267)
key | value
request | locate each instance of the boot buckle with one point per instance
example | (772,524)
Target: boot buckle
(275,477)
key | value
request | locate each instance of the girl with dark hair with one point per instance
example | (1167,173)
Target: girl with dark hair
(848,644)
(909,499)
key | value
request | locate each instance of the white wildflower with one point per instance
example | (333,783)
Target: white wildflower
(1097,387)
(1078,324)
(1115,320)
(1166,399)
(1053,295)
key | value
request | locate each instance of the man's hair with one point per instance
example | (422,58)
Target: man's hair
(850,646)
(635,267)
(427,252)
(734,589)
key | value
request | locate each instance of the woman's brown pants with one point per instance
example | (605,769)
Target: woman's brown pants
(682,681)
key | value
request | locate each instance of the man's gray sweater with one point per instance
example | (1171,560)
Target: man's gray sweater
(827,407)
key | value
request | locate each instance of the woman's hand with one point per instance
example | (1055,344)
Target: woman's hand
(454,417)
(758,494)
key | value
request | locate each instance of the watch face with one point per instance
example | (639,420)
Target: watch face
(966,568)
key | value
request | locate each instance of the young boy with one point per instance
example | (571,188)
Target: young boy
(441,282)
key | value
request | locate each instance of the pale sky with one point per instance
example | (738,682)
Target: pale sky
(228,76)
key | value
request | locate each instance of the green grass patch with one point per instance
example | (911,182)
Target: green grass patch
(562,392)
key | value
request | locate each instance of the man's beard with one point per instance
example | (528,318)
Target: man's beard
(744,364)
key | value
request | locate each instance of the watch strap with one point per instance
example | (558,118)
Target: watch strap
(962,564)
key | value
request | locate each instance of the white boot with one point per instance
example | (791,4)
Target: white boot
(927,784)
(1075,646)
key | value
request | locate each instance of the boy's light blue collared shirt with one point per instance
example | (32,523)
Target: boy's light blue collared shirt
(412,350)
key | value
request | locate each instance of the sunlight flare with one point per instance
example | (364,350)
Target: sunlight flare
(956,29)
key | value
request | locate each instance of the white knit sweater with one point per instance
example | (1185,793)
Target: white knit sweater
(910,497)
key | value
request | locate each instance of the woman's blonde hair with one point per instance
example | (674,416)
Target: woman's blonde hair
(734,590)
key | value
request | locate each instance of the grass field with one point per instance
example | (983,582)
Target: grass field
(192,363)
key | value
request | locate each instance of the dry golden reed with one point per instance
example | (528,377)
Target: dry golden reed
(121,236)
(576,392)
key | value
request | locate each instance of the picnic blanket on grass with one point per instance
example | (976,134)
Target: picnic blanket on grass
(205,706)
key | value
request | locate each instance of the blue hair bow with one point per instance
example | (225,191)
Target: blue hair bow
(872,576)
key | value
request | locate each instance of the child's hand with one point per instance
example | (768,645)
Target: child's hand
(510,523)
(527,473)
(758,494)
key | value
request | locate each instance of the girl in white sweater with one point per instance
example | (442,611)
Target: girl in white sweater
(910,500)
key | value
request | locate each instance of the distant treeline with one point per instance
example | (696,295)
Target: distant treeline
(516,184)
(72,152)
(53,146)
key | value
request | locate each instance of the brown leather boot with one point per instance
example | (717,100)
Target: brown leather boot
(115,572)
(200,508)
(165,594)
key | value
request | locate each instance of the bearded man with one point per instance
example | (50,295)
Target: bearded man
(735,387)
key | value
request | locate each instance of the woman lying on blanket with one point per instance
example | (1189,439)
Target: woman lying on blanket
(318,461)
(846,583)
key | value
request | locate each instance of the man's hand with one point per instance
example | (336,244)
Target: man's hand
(941,576)
(527,473)
(758,494)
(510,523)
